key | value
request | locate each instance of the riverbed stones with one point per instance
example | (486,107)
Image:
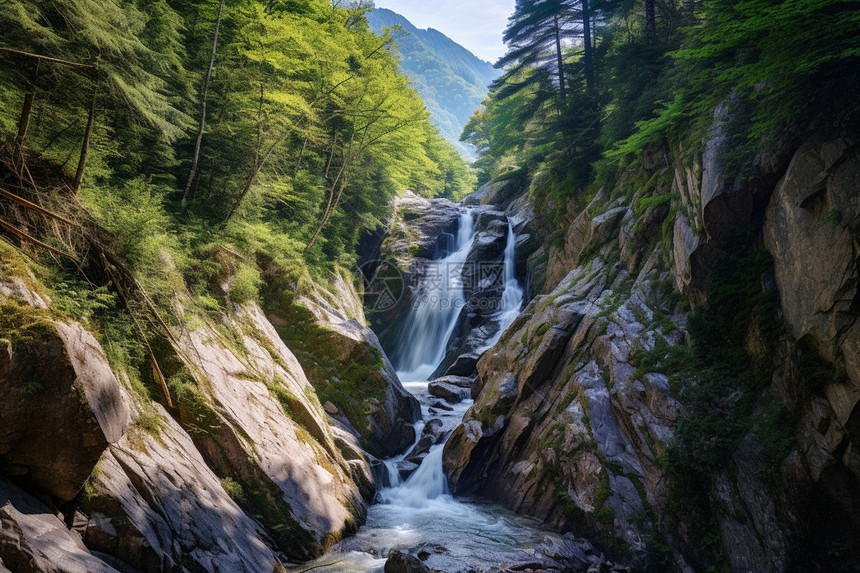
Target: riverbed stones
(399,562)
(432,434)
(454,389)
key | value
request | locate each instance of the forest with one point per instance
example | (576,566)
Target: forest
(589,84)
(281,127)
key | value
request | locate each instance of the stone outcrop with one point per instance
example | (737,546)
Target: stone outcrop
(342,314)
(60,403)
(571,426)
(811,229)
(246,471)
(33,538)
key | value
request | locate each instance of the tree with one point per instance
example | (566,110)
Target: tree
(536,34)
(202,124)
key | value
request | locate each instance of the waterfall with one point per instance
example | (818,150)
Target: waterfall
(436,307)
(512,296)
(427,483)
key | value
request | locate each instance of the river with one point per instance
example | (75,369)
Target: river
(419,514)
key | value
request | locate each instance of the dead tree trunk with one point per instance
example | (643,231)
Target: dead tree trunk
(196,158)
(85,146)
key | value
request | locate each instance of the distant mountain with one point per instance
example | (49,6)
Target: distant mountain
(452,80)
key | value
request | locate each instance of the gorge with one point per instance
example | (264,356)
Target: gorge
(257,315)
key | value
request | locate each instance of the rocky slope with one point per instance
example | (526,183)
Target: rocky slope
(244,471)
(596,410)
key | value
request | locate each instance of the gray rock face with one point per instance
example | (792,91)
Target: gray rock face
(811,228)
(157,505)
(32,538)
(391,421)
(566,428)
(556,397)
(60,403)
(291,460)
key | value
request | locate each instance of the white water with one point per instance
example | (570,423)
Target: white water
(437,305)
(420,513)
(512,296)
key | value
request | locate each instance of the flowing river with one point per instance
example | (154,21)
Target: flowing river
(420,513)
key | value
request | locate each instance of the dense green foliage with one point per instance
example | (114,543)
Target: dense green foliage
(450,79)
(780,63)
(309,129)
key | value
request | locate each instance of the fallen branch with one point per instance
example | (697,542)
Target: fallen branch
(46,58)
(32,206)
(24,236)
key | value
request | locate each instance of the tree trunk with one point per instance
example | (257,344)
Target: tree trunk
(588,58)
(299,160)
(194,161)
(26,110)
(85,146)
(650,22)
(560,59)
(333,199)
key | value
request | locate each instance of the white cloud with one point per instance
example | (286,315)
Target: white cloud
(476,24)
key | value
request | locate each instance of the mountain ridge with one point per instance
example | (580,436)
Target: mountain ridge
(451,80)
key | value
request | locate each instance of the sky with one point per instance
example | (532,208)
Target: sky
(475,24)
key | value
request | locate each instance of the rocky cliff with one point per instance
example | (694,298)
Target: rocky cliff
(684,388)
(234,465)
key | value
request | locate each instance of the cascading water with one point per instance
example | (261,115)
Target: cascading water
(512,296)
(420,512)
(438,300)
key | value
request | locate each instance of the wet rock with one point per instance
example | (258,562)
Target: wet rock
(399,562)
(432,434)
(406,468)
(464,365)
(448,391)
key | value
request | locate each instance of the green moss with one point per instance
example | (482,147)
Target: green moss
(245,285)
(647,202)
(351,382)
(542,329)
(566,402)
(233,488)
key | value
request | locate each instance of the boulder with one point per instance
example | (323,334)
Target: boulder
(399,562)
(60,403)
(33,538)
(432,434)
(464,365)
(447,391)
